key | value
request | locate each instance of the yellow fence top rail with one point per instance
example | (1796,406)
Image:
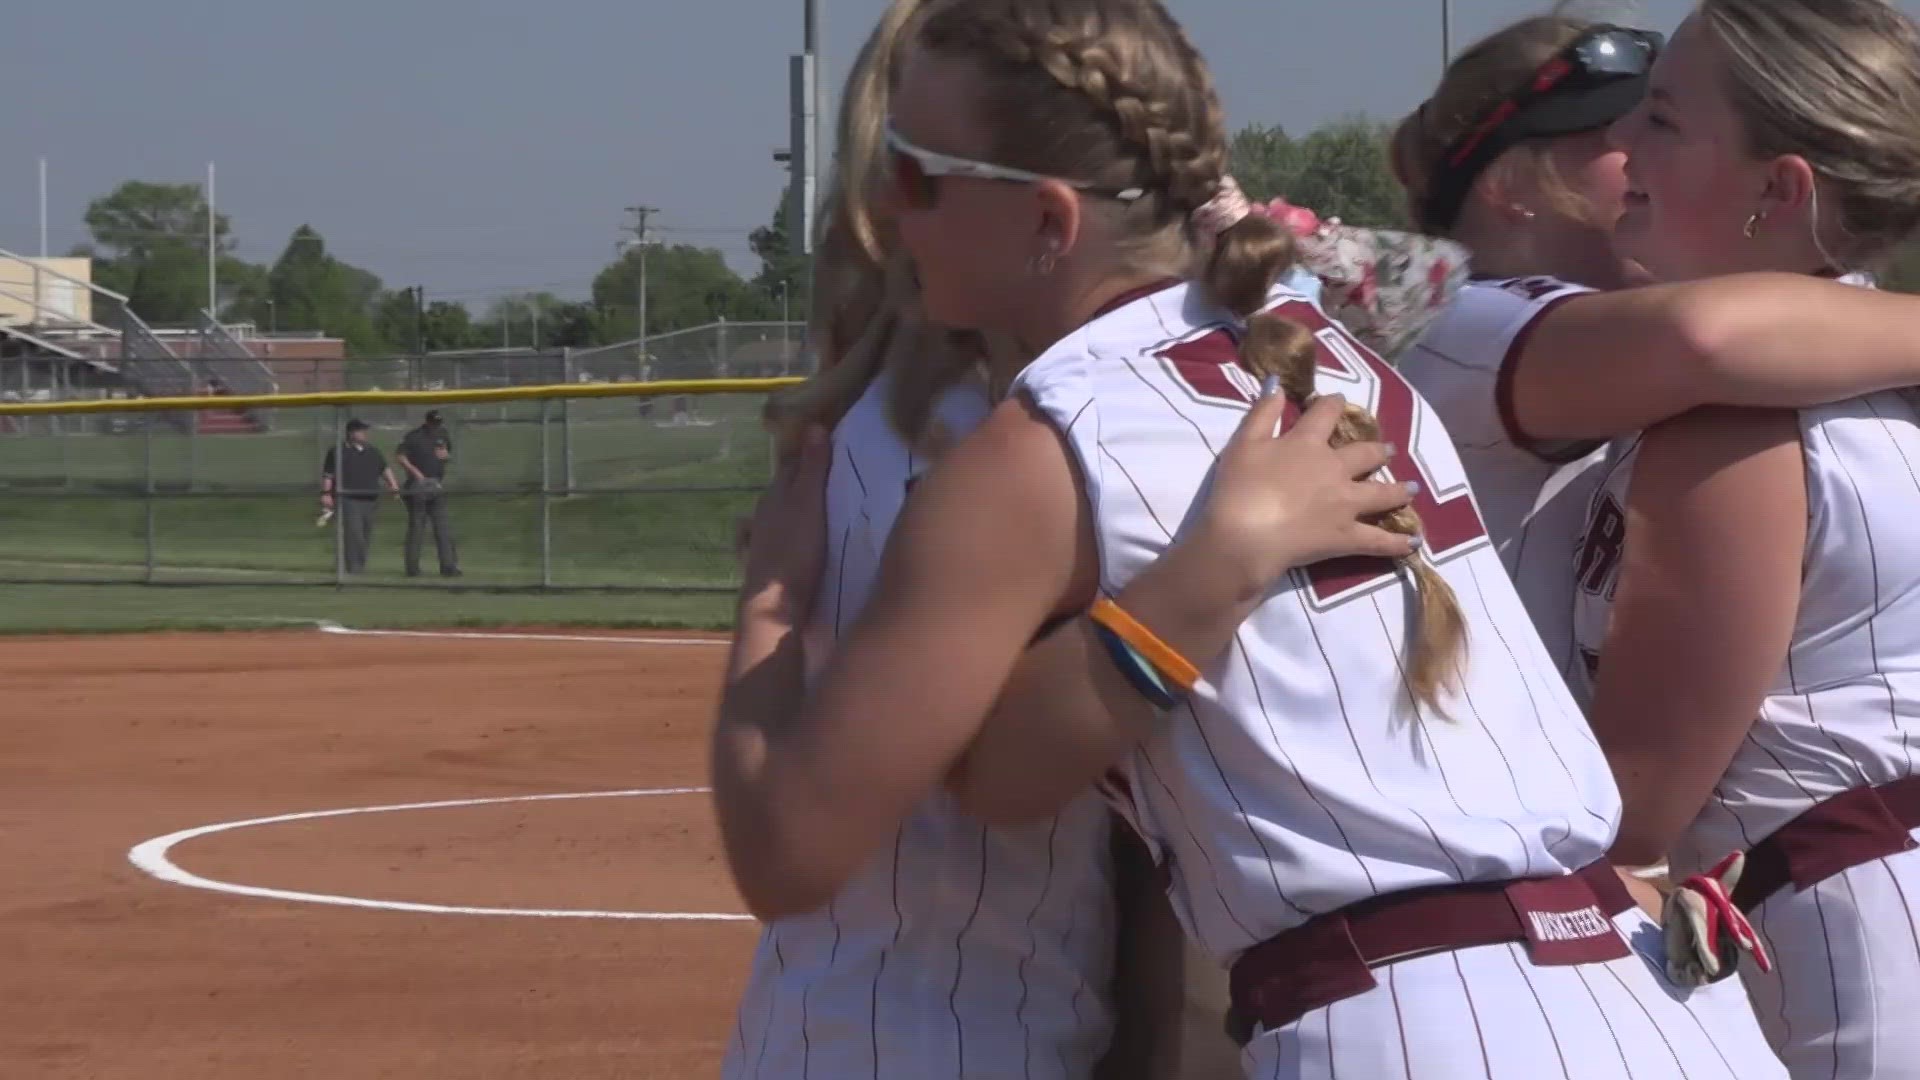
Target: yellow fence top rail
(668,388)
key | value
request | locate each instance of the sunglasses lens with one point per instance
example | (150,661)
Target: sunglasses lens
(1619,52)
(910,178)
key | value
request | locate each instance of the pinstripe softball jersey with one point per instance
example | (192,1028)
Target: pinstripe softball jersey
(1843,713)
(1300,778)
(960,951)
(1459,366)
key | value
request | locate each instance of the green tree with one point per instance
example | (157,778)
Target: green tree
(138,215)
(312,290)
(1262,160)
(397,322)
(150,244)
(541,318)
(782,273)
(570,324)
(686,286)
(1342,170)
(514,320)
(448,325)
(441,326)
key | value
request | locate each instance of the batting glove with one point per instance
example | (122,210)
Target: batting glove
(1705,932)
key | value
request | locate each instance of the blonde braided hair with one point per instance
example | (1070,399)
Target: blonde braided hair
(1113,93)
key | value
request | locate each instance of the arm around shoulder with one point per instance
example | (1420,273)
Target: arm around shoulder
(979,559)
(1606,364)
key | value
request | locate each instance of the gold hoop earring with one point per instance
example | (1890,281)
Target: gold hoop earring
(1752,228)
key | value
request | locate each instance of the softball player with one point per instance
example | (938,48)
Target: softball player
(1379,806)
(958,950)
(1755,566)
(1531,362)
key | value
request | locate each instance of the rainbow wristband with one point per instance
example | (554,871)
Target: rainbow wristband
(1139,673)
(1172,668)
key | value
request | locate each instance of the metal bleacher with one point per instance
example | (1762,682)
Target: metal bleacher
(222,355)
(114,337)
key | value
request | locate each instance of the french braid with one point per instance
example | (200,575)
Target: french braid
(1113,93)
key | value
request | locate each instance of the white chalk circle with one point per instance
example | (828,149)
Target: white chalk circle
(152,857)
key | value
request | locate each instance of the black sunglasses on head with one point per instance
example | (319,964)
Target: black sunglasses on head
(1597,79)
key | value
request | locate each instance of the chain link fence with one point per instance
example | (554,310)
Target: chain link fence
(628,493)
(722,350)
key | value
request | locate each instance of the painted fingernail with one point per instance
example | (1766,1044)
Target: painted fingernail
(1392,450)
(1416,542)
(1270,386)
(1412,486)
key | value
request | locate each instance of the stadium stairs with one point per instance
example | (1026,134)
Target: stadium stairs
(114,337)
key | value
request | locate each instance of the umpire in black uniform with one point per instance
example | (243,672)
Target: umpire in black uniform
(357,483)
(424,453)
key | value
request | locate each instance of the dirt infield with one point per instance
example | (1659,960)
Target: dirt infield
(110,973)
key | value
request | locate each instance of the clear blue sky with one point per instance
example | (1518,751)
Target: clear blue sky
(487,146)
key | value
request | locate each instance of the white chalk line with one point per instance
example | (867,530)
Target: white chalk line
(327,627)
(153,857)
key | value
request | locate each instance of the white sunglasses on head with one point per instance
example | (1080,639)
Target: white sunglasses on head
(915,169)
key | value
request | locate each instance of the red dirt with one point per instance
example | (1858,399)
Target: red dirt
(111,974)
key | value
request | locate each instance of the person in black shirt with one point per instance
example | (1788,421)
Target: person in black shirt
(424,453)
(357,481)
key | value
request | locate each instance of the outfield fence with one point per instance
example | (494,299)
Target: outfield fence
(606,486)
(238,360)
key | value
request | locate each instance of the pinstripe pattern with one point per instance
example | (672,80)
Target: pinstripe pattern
(960,952)
(1846,705)
(1533,519)
(1298,779)
(1310,815)
(1487,1013)
(1842,713)
(1845,987)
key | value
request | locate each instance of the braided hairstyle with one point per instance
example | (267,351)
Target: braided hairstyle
(1113,93)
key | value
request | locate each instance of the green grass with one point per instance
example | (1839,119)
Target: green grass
(664,540)
(235,515)
(611,446)
(53,608)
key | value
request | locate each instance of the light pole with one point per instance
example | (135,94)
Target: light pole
(786,328)
(419,320)
(1446,34)
(213,254)
(641,238)
(819,85)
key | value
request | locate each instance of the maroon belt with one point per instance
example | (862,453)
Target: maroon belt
(1849,829)
(1330,957)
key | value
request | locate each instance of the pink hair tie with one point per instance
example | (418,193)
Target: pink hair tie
(1298,220)
(1228,207)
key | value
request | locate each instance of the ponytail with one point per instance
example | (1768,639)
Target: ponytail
(1247,258)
